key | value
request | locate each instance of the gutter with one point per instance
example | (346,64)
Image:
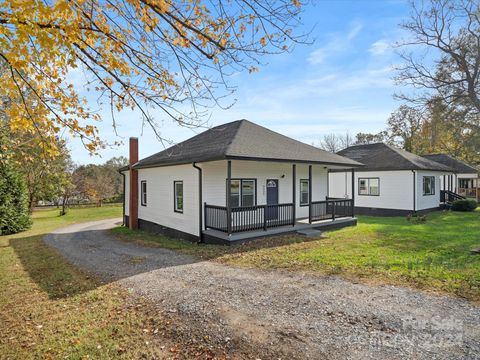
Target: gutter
(200,204)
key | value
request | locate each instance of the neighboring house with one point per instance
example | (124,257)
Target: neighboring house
(234,182)
(466,182)
(392,182)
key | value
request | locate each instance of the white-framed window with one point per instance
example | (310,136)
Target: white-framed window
(143,192)
(304,190)
(429,185)
(243,192)
(178,196)
(369,186)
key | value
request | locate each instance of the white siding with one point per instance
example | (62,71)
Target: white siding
(396,189)
(159,208)
(467,176)
(127,192)
(160,199)
(428,201)
(215,175)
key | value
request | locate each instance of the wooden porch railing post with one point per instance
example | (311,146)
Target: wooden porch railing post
(265,217)
(205,215)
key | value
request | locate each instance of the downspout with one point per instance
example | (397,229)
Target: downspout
(414,191)
(123,205)
(200,203)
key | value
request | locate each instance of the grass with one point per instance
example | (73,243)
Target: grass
(434,255)
(49,309)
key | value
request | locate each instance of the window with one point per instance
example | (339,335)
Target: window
(143,192)
(465,183)
(178,196)
(304,189)
(248,192)
(242,192)
(369,186)
(429,185)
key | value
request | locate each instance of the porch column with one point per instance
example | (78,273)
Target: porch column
(229,207)
(309,194)
(353,192)
(294,193)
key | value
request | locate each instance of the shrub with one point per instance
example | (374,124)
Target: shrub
(464,205)
(14,212)
(416,218)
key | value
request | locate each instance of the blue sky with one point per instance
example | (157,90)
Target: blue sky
(342,82)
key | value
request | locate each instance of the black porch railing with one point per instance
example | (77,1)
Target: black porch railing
(331,209)
(447,196)
(263,217)
(247,218)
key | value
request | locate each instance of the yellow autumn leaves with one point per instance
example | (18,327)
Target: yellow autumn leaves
(136,53)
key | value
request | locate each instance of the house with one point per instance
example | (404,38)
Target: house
(234,182)
(392,182)
(466,181)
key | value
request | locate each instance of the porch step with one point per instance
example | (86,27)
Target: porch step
(310,232)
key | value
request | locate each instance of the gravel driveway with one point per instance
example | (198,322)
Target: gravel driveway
(278,313)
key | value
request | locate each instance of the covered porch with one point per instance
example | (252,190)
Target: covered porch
(469,187)
(305,206)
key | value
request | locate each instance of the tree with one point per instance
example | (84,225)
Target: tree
(448,67)
(99,182)
(369,138)
(14,214)
(44,176)
(404,127)
(336,142)
(175,56)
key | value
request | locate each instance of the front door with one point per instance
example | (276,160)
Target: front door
(272,199)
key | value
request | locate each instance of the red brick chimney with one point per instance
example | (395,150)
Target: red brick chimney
(133,191)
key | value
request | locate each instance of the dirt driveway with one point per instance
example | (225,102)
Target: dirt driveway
(277,314)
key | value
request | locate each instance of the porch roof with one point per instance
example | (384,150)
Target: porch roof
(457,165)
(243,140)
(380,156)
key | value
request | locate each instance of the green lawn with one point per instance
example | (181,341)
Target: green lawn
(434,255)
(50,310)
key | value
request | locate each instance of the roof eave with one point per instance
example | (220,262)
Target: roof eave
(247,158)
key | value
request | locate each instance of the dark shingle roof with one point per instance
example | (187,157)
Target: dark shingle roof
(380,156)
(457,165)
(242,139)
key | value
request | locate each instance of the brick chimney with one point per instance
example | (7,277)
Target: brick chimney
(133,191)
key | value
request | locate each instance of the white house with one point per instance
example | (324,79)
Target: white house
(466,181)
(392,182)
(234,182)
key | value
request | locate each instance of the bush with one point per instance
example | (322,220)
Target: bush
(416,218)
(464,205)
(14,212)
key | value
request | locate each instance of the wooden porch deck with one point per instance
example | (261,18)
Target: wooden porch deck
(211,236)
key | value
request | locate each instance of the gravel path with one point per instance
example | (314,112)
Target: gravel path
(279,313)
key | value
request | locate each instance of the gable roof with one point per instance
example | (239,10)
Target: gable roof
(457,165)
(380,156)
(245,140)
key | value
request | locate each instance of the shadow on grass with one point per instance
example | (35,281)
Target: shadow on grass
(208,251)
(60,262)
(49,270)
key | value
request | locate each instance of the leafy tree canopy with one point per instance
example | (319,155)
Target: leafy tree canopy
(170,55)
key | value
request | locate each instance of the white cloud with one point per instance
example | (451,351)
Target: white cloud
(337,43)
(380,47)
